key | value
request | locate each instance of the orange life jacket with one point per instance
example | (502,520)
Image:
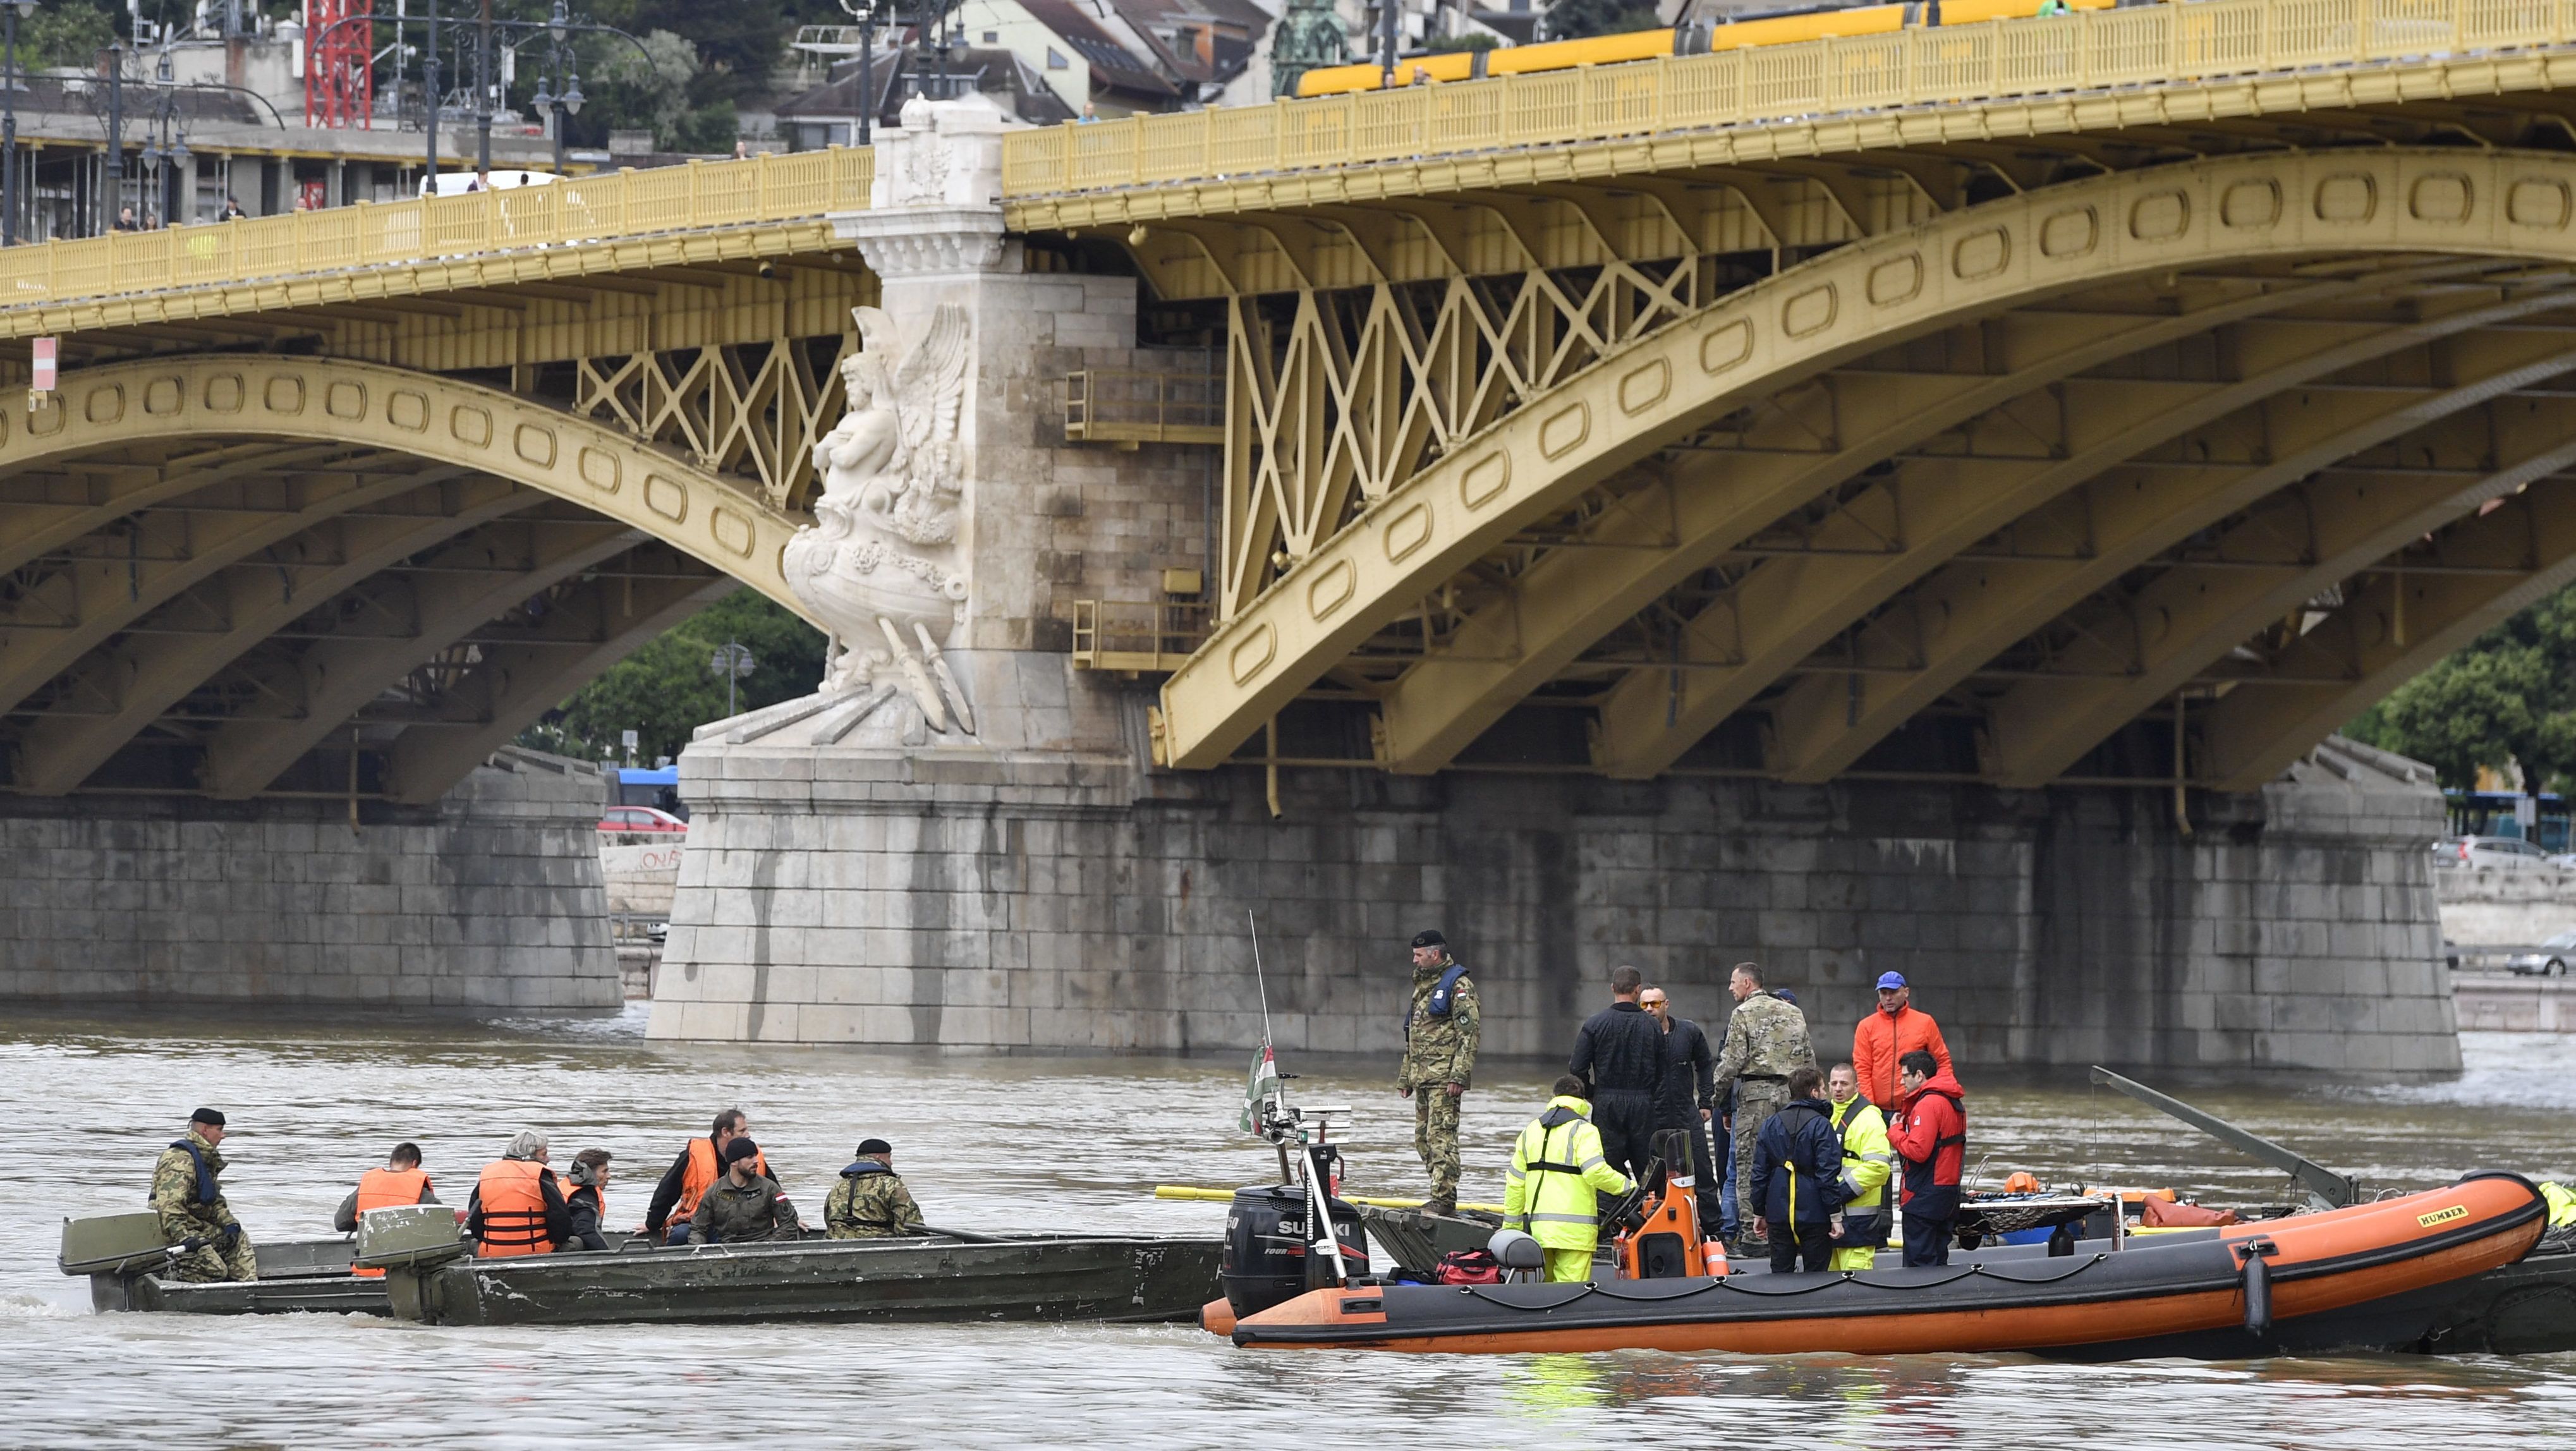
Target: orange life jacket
(513,1197)
(385,1189)
(703,1172)
(595,1192)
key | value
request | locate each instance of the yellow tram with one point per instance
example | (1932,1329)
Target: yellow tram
(1689,38)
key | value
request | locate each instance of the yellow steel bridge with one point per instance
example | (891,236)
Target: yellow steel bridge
(2137,393)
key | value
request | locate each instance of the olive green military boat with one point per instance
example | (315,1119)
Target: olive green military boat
(125,1260)
(1030,1277)
(945,1275)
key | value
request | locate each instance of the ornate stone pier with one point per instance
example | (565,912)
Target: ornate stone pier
(962,842)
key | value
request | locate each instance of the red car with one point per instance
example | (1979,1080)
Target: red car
(642,819)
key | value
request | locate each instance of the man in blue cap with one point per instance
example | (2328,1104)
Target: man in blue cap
(1894,1030)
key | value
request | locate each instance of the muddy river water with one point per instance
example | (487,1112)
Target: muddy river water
(85,1103)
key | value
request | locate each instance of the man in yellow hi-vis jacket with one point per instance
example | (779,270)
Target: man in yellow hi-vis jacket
(1867,1164)
(1557,1175)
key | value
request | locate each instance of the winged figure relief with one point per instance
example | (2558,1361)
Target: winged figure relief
(879,565)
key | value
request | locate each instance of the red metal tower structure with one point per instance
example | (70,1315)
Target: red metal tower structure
(339,81)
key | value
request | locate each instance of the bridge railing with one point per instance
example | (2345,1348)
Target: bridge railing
(2089,50)
(577,210)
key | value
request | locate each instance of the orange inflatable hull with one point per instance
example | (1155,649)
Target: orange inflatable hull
(2355,1276)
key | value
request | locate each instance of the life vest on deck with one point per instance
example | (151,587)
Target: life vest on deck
(388,1189)
(513,1197)
(704,1171)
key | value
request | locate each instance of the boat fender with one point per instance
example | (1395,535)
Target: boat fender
(2258,1286)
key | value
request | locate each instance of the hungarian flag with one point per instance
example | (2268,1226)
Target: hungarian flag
(1263,1083)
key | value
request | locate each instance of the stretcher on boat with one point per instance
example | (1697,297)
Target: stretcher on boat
(2370,1275)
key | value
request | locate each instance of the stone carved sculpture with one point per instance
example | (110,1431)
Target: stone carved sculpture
(879,564)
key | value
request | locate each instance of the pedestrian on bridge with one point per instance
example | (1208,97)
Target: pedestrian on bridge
(1620,1052)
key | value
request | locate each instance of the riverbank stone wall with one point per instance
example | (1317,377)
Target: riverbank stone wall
(491,899)
(1065,902)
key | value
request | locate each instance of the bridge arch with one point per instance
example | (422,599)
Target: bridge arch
(2299,228)
(168,516)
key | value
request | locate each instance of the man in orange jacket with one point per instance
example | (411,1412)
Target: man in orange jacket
(1896,1029)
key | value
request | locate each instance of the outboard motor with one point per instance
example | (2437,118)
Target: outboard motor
(1271,1257)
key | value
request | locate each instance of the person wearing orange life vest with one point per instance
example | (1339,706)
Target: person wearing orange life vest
(518,1207)
(675,1199)
(586,1199)
(400,1181)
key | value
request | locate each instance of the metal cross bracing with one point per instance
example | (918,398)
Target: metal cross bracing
(231,548)
(1883,471)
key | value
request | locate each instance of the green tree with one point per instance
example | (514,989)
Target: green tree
(1579,19)
(664,691)
(633,92)
(2507,697)
(67,33)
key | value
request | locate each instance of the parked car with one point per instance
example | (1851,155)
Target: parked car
(643,819)
(2446,851)
(2500,851)
(2565,861)
(2550,961)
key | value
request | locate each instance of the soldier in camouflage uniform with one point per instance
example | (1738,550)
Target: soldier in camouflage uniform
(870,1202)
(190,1201)
(1439,1056)
(1766,1041)
(745,1205)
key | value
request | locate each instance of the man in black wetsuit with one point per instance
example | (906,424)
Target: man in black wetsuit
(1621,1053)
(1689,1083)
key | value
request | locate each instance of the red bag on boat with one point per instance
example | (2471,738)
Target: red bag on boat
(1470,1267)
(2162,1215)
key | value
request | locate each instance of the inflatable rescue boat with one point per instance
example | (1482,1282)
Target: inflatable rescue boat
(2368,1275)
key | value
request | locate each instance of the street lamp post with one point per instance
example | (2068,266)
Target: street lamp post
(865,12)
(564,101)
(483,93)
(429,91)
(9,16)
(115,138)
